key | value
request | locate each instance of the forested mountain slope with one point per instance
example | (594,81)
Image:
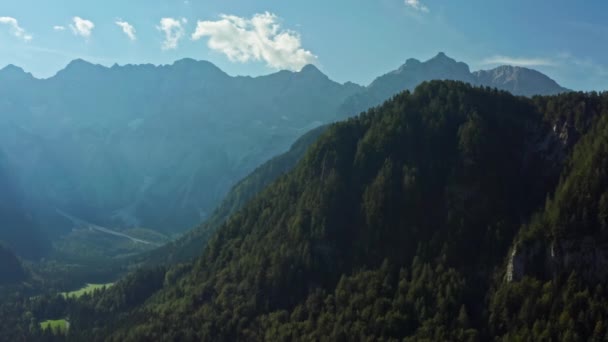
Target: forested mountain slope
(517,80)
(555,279)
(397,224)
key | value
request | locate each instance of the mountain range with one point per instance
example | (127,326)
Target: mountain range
(516,80)
(444,210)
(158,147)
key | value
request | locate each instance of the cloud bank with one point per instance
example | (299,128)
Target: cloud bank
(260,38)
(15,29)
(82,27)
(173,30)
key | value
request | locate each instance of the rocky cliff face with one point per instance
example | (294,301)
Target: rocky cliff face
(588,256)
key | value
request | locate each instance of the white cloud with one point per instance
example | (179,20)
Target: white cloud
(82,27)
(173,30)
(257,39)
(519,61)
(127,28)
(417,5)
(15,29)
(59,28)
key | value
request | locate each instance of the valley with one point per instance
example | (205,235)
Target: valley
(312,226)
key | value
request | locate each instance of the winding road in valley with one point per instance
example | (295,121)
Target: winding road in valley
(84,224)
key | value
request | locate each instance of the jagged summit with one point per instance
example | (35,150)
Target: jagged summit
(13,72)
(310,68)
(310,71)
(80,68)
(441,56)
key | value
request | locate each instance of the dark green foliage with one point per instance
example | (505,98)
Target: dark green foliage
(579,206)
(563,309)
(398,225)
(413,184)
(565,298)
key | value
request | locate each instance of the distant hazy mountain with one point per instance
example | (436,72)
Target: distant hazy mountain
(18,230)
(518,81)
(151,146)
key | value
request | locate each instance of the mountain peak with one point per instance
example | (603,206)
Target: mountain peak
(193,62)
(311,69)
(442,58)
(13,72)
(197,68)
(519,80)
(78,63)
(412,62)
(80,68)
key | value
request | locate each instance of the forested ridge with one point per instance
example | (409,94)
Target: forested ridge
(449,213)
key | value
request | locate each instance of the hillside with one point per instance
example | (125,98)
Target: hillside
(377,220)
(554,282)
(191,245)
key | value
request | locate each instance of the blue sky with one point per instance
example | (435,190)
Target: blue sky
(350,40)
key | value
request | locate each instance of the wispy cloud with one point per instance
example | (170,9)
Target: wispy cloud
(417,5)
(259,38)
(173,30)
(59,28)
(82,27)
(519,61)
(127,28)
(15,29)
